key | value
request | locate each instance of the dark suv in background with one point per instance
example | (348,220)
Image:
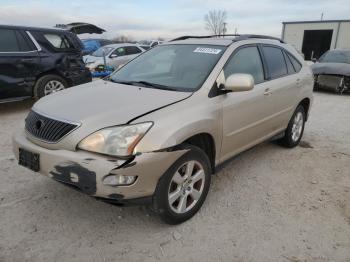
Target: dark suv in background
(35,62)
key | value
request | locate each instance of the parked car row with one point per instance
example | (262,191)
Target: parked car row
(112,56)
(92,44)
(35,62)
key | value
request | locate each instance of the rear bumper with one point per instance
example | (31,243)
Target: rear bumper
(85,171)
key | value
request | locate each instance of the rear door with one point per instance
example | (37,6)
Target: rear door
(283,86)
(18,63)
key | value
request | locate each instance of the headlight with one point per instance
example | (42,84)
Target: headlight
(116,141)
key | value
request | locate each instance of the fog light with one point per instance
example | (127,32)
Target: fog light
(119,180)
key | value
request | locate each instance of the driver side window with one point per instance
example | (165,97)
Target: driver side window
(246,61)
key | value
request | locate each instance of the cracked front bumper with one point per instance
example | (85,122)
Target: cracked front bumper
(85,171)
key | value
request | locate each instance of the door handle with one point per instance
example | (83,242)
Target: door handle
(27,60)
(267,92)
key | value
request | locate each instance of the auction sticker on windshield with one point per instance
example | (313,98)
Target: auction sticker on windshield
(207,50)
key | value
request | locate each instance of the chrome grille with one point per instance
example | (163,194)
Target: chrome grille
(47,129)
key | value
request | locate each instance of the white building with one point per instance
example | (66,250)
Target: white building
(313,38)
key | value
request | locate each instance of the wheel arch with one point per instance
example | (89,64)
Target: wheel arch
(206,142)
(305,103)
(50,72)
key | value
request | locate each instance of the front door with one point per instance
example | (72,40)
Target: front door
(18,61)
(246,115)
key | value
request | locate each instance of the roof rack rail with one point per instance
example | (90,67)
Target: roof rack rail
(200,36)
(237,37)
(245,37)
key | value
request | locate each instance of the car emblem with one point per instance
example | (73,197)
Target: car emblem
(39,124)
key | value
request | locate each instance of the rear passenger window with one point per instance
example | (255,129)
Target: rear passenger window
(246,61)
(296,64)
(132,50)
(275,61)
(8,41)
(58,41)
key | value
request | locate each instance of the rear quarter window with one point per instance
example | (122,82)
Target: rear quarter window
(58,41)
(296,64)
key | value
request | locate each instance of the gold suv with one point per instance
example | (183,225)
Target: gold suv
(154,131)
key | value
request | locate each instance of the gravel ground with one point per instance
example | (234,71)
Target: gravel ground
(267,204)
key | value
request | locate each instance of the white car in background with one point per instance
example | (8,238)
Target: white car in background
(114,54)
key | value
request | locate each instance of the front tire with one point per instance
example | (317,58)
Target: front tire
(48,84)
(181,191)
(295,129)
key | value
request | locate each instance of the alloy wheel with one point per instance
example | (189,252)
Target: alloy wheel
(297,127)
(186,187)
(52,87)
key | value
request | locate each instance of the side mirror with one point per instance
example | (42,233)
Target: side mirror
(239,82)
(113,56)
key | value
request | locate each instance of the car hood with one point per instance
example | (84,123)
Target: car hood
(331,69)
(102,103)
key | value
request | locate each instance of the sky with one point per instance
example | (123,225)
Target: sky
(150,19)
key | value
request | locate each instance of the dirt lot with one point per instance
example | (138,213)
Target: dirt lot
(267,204)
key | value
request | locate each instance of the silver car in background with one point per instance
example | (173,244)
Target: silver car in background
(332,71)
(113,55)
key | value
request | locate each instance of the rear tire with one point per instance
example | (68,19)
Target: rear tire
(181,191)
(48,84)
(295,129)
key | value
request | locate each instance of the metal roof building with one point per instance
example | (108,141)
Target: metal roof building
(313,38)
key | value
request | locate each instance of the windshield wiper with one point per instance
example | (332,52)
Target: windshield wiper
(144,83)
(148,84)
(120,82)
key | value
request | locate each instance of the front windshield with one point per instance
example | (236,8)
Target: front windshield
(336,56)
(176,67)
(102,51)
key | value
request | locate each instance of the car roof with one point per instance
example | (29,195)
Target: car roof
(29,28)
(121,45)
